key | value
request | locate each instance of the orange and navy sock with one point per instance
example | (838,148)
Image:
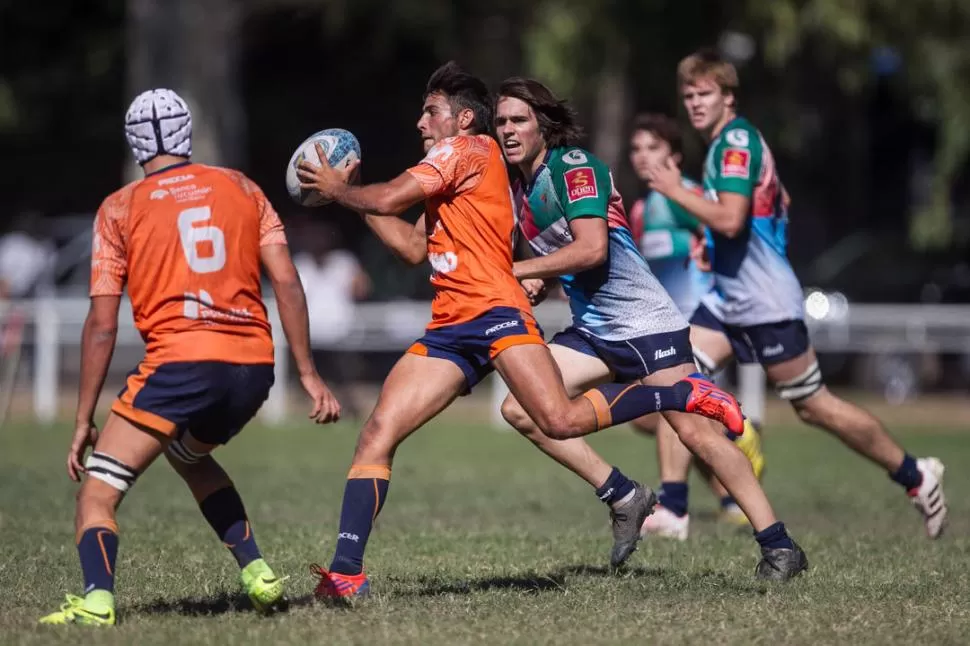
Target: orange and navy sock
(673,497)
(616,488)
(226,515)
(618,403)
(364,496)
(98,549)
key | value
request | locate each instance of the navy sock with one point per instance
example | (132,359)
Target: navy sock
(673,497)
(225,512)
(618,403)
(727,501)
(616,487)
(774,537)
(98,549)
(364,496)
(907,474)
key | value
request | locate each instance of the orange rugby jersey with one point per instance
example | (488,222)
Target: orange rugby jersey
(470,224)
(187,240)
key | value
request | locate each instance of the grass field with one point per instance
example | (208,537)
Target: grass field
(484,540)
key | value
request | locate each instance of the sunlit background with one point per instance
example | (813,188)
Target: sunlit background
(865,105)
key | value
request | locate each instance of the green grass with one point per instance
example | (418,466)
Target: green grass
(484,540)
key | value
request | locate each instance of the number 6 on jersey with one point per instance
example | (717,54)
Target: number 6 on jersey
(204,247)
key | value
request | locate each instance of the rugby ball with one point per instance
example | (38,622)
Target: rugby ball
(341,148)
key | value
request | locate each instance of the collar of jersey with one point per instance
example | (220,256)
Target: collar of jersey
(535,176)
(168,168)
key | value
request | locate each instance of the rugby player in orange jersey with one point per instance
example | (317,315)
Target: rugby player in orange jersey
(481,317)
(189,240)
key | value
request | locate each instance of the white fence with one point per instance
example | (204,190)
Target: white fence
(392,326)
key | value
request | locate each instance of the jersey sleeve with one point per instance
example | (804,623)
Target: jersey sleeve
(270,227)
(737,162)
(635,217)
(109,266)
(584,188)
(683,218)
(452,166)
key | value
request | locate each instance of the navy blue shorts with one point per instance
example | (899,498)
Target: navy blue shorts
(211,399)
(472,345)
(767,343)
(632,359)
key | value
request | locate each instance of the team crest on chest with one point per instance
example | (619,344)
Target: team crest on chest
(736,163)
(580,183)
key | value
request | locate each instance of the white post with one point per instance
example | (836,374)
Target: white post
(751,391)
(47,349)
(497,392)
(273,411)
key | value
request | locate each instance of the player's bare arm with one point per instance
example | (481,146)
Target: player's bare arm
(588,249)
(726,216)
(97,345)
(409,242)
(291,302)
(382,199)
(535,288)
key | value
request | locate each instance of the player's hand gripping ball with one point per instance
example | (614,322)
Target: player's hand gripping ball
(342,150)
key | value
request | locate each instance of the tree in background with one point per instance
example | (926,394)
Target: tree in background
(930,39)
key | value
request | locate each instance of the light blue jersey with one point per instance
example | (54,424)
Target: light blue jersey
(620,299)
(751,271)
(665,232)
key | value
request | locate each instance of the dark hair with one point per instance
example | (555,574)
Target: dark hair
(464,92)
(662,127)
(558,121)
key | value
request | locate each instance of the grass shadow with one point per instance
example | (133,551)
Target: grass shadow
(219,604)
(532,583)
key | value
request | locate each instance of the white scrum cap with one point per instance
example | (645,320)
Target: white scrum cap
(158,122)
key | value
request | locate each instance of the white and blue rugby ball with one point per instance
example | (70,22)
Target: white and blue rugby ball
(341,148)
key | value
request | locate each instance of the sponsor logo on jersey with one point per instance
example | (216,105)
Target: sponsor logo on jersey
(443,263)
(772,350)
(737,137)
(574,157)
(736,163)
(439,154)
(175,180)
(500,326)
(580,184)
(158,194)
(663,354)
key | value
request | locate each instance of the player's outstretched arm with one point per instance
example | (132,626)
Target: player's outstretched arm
(588,249)
(291,303)
(386,198)
(409,242)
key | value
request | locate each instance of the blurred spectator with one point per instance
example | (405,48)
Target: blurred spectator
(334,281)
(26,257)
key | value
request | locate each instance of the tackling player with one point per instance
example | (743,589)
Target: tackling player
(625,326)
(188,240)
(481,317)
(668,237)
(761,319)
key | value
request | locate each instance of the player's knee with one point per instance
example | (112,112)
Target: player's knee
(377,437)
(108,470)
(560,425)
(513,413)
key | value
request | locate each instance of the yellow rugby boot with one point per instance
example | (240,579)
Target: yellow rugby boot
(95,609)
